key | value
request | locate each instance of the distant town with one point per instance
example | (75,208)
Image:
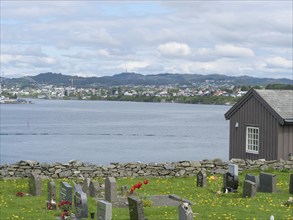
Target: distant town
(204,92)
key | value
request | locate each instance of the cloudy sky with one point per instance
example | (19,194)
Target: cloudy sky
(98,38)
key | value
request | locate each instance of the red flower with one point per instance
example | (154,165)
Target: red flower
(64,214)
(145,181)
(65,205)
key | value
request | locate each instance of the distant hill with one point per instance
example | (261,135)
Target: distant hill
(123,79)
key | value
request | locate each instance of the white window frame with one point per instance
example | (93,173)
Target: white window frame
(252,139)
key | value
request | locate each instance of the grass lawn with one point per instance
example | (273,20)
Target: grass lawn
(209,202)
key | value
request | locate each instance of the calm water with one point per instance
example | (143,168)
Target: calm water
(103,132)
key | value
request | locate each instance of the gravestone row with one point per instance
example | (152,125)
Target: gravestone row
(264,183)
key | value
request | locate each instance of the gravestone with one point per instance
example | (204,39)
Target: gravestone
(124,190)
(233,169)
(104,210)
(136,211)
(267,182)
(230,182)
(85,185)
(35,185)
(77,187)
(65,192)
(249,189)
(51,202)
(94,189)
(111,190)
(254,179)
(291,184)
(201,179)
(185,212)
(51,191)
(80,204)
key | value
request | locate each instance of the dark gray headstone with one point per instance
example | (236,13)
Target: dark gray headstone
(267,182)
(104,210)
(291,184)
(230,182)
(51,191)
(35,185)
(94,189)
(111,189)
(65,192)
(136,211)
(233,169)
(201,179)
(249,189)
(185,212)
(85,185)
(80,204)
(254,179)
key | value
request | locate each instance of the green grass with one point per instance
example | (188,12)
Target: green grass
(209,202)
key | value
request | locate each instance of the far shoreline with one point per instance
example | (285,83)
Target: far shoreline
(134,101)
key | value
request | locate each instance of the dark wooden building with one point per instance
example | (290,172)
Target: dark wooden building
(261,125)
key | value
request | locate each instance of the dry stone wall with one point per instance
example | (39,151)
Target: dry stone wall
(74,168)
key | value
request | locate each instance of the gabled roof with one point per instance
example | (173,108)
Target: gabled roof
(278,102)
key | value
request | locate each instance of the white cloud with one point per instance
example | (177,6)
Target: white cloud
(104,52)
(226,50)
(174,49)
(131,66)
(279,62)
(32,50)
(101,36)
(233,51)
(23,60)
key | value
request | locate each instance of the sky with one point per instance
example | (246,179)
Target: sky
(103,38)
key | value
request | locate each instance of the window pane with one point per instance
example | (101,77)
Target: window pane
(252,139)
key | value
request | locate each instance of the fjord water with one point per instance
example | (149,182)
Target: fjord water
(102,132)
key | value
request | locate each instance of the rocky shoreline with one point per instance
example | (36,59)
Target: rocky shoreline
(74,168)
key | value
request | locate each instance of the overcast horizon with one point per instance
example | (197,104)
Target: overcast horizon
(104,38)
